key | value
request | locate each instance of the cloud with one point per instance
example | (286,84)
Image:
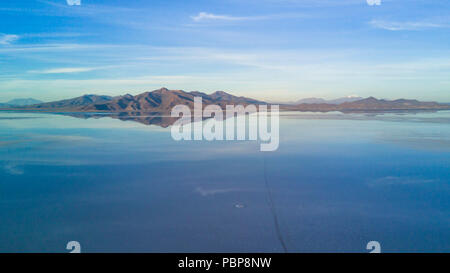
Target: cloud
(238,70)
(203,16)
(74,2)
(85,10)
(210,17)
(54,35)
(397,26)
(59,47)
(6,39)
(373,2)
(64,70)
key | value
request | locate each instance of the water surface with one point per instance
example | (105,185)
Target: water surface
(336,182)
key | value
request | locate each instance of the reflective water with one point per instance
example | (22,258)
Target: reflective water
(336,182)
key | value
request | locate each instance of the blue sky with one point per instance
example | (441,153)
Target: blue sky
(275,50)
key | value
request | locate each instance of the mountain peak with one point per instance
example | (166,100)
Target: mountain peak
(163,89)
(371,100)
(220,93)
(88,96)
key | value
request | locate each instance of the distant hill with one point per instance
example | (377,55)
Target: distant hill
(320,100)
(369,104)
(344,100)
(23,102)
(75,103)
(19,102)
(163,100)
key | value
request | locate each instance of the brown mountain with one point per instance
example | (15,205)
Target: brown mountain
(156,101)
(163,100)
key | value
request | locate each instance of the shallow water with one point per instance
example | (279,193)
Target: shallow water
(336,182)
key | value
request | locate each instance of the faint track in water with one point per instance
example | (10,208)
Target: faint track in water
(273,209)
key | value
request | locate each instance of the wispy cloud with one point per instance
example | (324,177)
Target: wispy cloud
(55,35)
(85,9)
(74,2)
(6,39)
(64,70)
(397,26)
(373,2)
(238,70)
(204,16)
(58,47)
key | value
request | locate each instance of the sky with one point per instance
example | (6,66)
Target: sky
(275,50)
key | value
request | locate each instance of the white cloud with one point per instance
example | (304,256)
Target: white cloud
(396,26)
(59,47)
(64,70)
(205,16)
(373,2)
(333,72)
(54,35)
(6,39)
(202,16)
(74,2)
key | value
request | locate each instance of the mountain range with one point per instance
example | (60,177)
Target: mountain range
(163,100)
(314,100)
(335,101)
(158,101)
(369,104)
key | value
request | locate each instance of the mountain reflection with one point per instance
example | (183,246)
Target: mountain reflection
(165,120)
(153,118)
